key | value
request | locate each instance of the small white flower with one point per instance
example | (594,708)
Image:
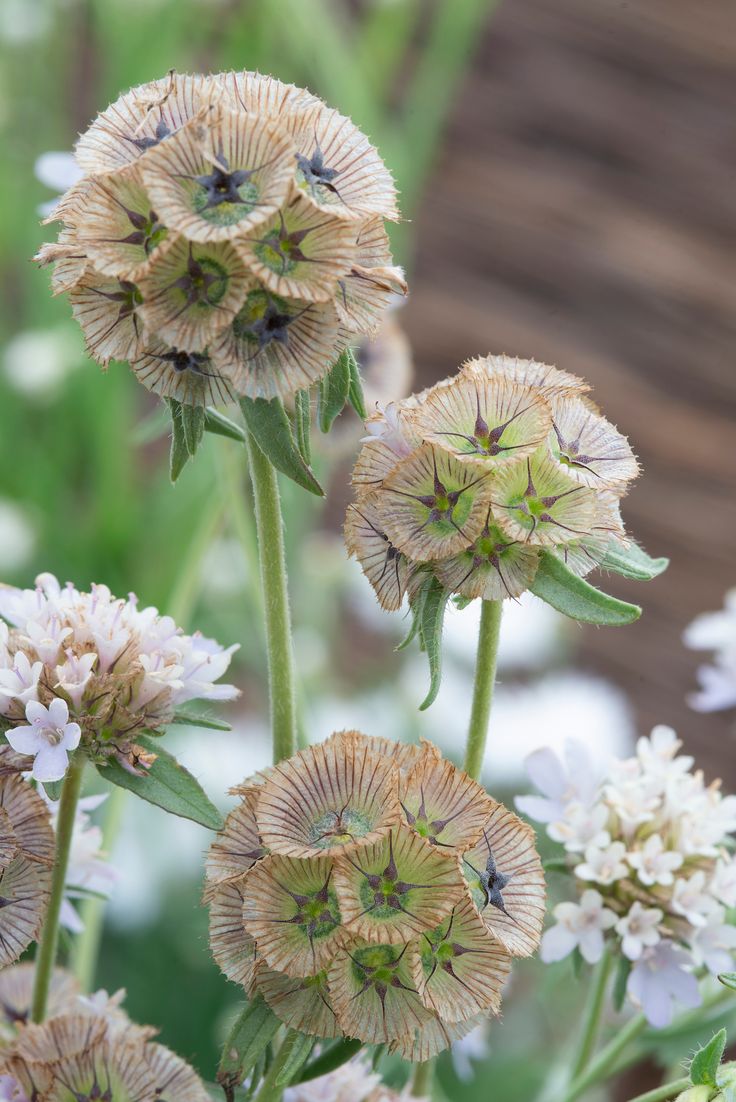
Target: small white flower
(690,899)
(636,801)
(658,753)
(353,1082)
(74,675)
(713,945)
(723,883)
(604,865)
(579,925)
(48,739)
(638,930)
(581,827)
(653,863)
(20,682)
(574,781)
(659,979)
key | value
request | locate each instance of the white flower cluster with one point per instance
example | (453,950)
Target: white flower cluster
(92,668)
(715,631)
(352,1082)
(648,845)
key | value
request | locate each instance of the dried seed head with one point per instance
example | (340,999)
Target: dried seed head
(229,217)
(351,920)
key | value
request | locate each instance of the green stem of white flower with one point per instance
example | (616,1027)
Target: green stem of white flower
(666,1091)
(86,947)
(485,681)
(598,1068)
(270,528)
(592,1015)
(49,940)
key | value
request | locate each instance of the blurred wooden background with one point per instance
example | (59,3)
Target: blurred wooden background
(583,213)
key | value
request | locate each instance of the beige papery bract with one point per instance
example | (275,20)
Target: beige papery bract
(227,237)
(26,859)
(340,890)
(473,478)
(89,1056)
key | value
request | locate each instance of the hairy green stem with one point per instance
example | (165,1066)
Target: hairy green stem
(269,1091)
(485,680)
(592,1015)
(661,1094)
(421,1084)
(270,529)
(49,940)
(606,1058)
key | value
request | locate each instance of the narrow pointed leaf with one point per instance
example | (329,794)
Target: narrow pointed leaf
(576,598)
(220,425)
(728,979)
(355,390)
(333,390)
(179,456)
(633,562)
(431,622)
(191,719)
(303,424)
(334,1057)
(168,785)
(271,428)
(253,1031)
(53,789)
(294,1055)
(707,1060)
(192,419)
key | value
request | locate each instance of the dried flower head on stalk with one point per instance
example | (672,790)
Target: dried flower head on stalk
(650,847)
(372,889)
(474,478)
(92,670)
(227,237)
(87,1050)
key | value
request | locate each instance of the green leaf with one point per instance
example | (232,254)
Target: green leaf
(254,1029)
(728,979)
(355,390)
(180,455)
(333,390)
(293,1055)
(270,426)
(633,562)
(192,719)
(620,981)
(559,587)
(219,425)
(303,424)
(334,1057)
(578,963)
(53,789)
(168,785)
(192,419)
(431,620)
(707,1060)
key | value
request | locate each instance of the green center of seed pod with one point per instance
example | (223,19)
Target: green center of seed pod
(376,967)
(317,914)
(438,950)
(531,508)
(385,894)
(223,197)
(338,828)
(205,281)
(264,318)
(280,250)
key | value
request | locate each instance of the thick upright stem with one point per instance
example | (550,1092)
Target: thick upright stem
(592,1015)
(49,941)
(270,530)
(485,680)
